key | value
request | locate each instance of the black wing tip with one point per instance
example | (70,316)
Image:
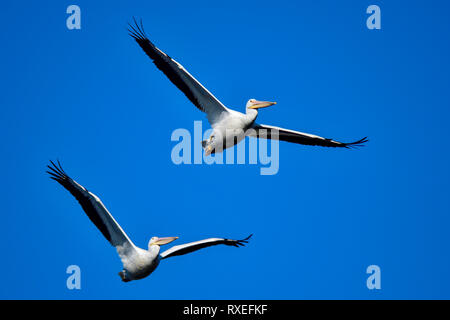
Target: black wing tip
(56,171)
(248,238)
(242,242)
(137,30)
(356,144)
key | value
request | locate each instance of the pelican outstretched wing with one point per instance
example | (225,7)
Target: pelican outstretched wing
(197,245)
(94,209)
(196,93)
(265,131)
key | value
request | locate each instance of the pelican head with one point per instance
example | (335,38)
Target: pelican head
(256,104)
(156,241)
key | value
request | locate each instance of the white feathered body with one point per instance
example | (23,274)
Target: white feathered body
(230,128)
(138,263)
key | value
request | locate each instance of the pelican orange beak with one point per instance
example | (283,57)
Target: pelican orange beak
(165,240)
(261,104)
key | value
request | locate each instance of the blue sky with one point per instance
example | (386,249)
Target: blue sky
(92,99)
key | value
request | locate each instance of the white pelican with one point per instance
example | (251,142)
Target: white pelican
(137,263)
(229,126)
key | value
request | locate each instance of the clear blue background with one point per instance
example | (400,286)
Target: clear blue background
(92,99)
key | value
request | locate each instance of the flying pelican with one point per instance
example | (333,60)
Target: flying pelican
(229,126)
(137,263)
